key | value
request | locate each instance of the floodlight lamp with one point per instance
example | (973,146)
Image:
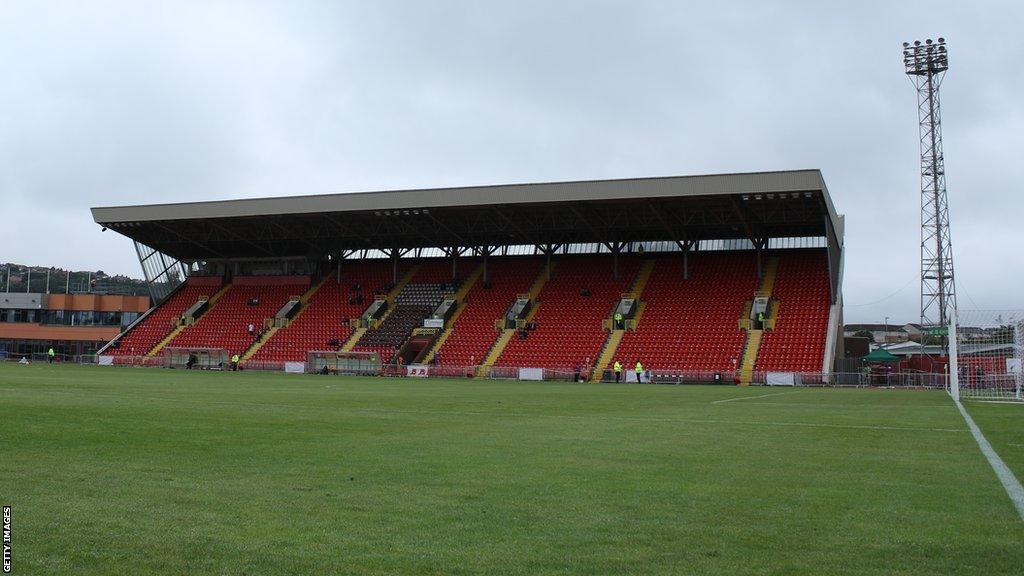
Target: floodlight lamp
(942,40)
(906,44)
(917,42)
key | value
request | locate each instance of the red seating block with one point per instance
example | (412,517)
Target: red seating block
(802,292)
(160,322)
(473,333)
(328,311)
(226,324)
(692,325)
(569,327)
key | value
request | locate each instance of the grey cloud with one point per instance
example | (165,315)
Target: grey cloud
(120,102)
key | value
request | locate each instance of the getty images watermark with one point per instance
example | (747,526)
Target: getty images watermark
(7,539)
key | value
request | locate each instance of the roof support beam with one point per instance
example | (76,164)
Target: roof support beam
(442,226)
(240,238)
(585,220)
(742,218)
(548,250)
(289,234)
(615,248)
(523,236)
(186,239)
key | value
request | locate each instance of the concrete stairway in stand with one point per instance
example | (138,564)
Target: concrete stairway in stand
(304,299)
(506,335)
(611,344)
(212,302)
(749,360)
(752,346)
(460,296)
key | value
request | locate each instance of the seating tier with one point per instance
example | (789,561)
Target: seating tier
(692,325)
(569,324)
(473,333)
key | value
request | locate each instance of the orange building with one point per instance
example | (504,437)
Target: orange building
(72,324)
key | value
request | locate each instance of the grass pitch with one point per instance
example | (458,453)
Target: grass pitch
(141,471)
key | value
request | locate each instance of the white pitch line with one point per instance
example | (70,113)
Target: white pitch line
(1013,488)
(751,397)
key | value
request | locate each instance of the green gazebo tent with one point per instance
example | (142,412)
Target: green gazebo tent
(880,355)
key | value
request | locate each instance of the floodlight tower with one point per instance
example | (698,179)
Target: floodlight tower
(926,64)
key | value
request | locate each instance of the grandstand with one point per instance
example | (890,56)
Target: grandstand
(727,277)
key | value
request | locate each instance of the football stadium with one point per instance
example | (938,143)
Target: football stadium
(639,376)
(692,279)
(504,289)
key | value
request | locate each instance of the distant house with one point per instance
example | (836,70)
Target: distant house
(913,331)
(880,333)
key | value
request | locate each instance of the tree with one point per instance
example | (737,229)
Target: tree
(865,334)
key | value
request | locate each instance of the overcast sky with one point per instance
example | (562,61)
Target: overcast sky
(106,103)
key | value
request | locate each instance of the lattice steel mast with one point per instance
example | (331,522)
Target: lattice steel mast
(926,64)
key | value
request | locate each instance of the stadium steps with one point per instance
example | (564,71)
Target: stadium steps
(352,339)
(160,345)
(255,347)
(642,276)
(468,283)
(744,322)
(639,312)
(304,299)
(750,349)
(401,284)
(506,335)
(542,279)
(611,344)
(752,346)
(138,321)
(771,315)
(460,296)
(391,301)
(495,352)
(212,302)
(607,353)
(771,271)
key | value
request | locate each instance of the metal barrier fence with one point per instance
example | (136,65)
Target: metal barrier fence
(43,357)
(807,379)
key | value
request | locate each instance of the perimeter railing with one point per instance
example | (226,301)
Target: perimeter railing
(832,379)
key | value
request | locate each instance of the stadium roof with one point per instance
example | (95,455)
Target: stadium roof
(724,206)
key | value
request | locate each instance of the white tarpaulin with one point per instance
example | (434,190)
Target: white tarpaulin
(433,323)
(531,373)
(295,367)
(105,360)
(1013,365)
(631,376)
(417,370)
(780,379)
